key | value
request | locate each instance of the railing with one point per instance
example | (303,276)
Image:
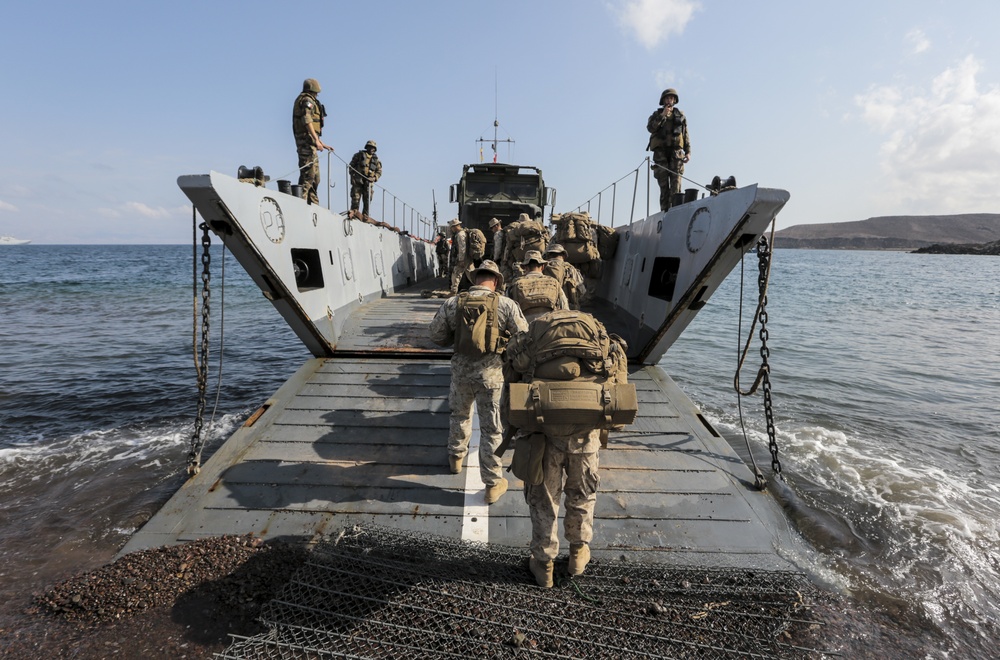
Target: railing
(390,210)
(613,188)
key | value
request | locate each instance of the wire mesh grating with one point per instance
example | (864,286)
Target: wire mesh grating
(374,592)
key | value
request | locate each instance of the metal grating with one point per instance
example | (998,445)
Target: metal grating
(374,592)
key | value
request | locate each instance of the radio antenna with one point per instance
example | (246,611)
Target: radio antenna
(496,126)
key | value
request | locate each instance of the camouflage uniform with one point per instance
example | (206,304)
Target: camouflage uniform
(670,145)
(478,379)
(570,467)
(366,169)
(569,277)
(308,110)
(459,259)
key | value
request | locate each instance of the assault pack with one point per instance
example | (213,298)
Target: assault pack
(535,295)
(477,325)
(522,236)
(574,377)
(574,231)
(476,244)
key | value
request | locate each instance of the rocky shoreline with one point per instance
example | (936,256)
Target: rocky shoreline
(179,601)
(963,248)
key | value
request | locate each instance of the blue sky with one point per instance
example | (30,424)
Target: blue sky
(857,108)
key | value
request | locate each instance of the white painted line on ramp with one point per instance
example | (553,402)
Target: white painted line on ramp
(476,516)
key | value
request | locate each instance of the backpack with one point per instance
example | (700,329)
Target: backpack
(571,227)
(532,293)
(607,242)
(523,236)
(575,377)
(476,244)
(477,325)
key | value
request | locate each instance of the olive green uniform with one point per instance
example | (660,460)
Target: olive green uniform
(308,110)
(366,169)
(670,144)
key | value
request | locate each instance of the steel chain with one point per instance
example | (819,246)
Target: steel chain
(764,259)
(201,364)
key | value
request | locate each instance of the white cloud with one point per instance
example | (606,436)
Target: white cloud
(147,211)
(6,206)
(941,144)
(918,41)
(652,21)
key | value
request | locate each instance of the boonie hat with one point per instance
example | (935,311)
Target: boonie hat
(454,222)
(533,255)
(494,222)
(555,248)
(488,266)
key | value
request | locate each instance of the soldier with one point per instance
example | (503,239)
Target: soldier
(442,248)
(670,145)
(459,259)
(563,456)
(498,239)
(535,292)
(568,275)
(307,126)
(366,169)
(477,368)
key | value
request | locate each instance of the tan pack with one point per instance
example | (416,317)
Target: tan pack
(534,294)
(477,324)
(551,407)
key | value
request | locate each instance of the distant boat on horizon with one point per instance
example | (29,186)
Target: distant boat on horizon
(10,240)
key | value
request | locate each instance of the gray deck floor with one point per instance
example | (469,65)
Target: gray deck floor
(362,440)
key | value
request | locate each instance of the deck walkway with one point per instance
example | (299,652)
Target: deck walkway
(357,439)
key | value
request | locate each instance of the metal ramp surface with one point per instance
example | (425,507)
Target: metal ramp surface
(362,440)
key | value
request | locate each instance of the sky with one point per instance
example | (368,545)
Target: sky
(857,108)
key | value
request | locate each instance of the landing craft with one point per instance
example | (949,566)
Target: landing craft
(356,440)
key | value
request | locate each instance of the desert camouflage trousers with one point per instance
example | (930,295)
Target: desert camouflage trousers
(309,173)
(457,273)
(576,476)
(464,390)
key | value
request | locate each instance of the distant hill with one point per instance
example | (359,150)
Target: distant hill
(893,232)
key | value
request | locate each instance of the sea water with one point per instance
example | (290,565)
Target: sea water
(883,365)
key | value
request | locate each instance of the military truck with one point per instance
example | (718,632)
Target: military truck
(499,190)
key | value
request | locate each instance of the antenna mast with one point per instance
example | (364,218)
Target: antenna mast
(496,125)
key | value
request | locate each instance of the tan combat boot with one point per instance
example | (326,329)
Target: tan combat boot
(542,570)
(579,556)
(494,492)
(455,463)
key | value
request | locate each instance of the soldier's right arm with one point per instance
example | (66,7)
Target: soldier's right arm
(442,330)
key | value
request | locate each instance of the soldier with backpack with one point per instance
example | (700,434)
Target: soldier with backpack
(568,276)
(569,387)
(535,292)
(478,322)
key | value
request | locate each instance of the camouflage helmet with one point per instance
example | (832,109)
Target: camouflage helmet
(555,248)
(371,143)
(311,85)
(494,222)
(667,92)
(487,266)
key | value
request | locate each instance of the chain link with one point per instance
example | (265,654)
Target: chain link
(201,355)
(764,265)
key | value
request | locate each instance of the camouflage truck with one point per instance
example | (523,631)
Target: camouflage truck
(498,190)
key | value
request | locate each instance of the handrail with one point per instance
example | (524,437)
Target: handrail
(613,186)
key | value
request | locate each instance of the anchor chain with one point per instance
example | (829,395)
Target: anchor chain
(764,266)
(201,349)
